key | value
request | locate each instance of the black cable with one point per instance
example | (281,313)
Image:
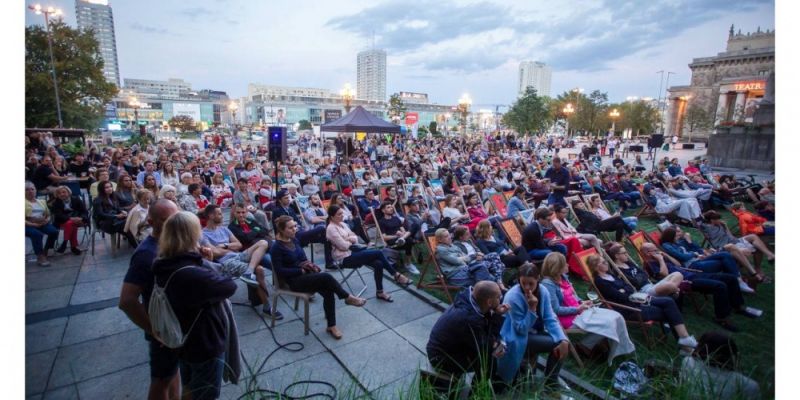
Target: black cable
(271,394)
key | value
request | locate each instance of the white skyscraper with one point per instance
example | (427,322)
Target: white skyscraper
(97,15)
(371,73)
(535,74)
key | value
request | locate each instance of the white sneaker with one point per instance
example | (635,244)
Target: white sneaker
(411,268)
(688,341)
(745,288)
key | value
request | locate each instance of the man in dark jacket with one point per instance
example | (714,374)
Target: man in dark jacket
(533,236)
(468,331)
(248,231)
(591,223)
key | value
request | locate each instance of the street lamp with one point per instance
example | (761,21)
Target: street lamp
(347,95)
(614,114)
(56,12)
(568,110)
(463,106)
(446,123)
(232,107)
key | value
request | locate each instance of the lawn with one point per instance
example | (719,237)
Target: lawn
(755,339)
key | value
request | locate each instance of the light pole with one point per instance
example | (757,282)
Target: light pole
(134,103)
(347,95)
(664,107)
(463,107)
(568,110)
(232,106)
(56,12)
(446,123)
(614,114)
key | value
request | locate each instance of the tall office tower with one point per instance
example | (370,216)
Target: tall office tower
(371,73)
(97,15)
(536,74)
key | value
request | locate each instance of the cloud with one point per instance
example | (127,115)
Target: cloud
(149,29)
(195,12)
(446,35)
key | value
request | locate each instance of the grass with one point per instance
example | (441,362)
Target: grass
(755,339)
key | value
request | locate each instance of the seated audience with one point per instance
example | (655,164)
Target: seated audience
(69,213)
(108,214)
(37,225)
(459,268)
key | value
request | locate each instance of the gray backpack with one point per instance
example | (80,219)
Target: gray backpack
(165,325)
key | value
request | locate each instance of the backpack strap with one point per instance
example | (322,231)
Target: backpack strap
(173,274)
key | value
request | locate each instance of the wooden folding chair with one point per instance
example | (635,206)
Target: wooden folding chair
(512,232)
(499,203)
(645,326)
(439,280)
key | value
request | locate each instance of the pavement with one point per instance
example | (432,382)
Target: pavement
(79,345)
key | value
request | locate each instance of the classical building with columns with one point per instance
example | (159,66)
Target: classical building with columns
(725,89)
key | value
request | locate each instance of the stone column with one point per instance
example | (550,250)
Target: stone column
(738,107)
(722,110)
(672,117)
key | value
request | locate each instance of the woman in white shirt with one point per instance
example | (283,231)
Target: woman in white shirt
(136,223)
(566,230)
(168,174)
(452,211)
(598,209)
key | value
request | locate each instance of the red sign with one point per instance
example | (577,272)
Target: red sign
(412,118)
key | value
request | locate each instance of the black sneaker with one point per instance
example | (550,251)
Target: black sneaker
(61,249)
(267,310)
(76,251)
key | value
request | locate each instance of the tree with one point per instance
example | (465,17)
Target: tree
(595,110)
(697,118)
(83,89)
(530,113)
(184,123)
(433,128)
(305,125)
(397,108)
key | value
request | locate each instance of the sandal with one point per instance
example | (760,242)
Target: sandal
(355,301)
(384,297)
(404,282)
(334,332)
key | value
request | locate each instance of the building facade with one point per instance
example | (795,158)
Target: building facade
(206,107)
(371,75)
(725,89)
(170,89)
(97,15)
(535,74)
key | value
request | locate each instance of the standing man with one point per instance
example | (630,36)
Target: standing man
(138,283)
(559,182)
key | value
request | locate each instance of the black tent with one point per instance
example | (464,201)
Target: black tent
(360,120)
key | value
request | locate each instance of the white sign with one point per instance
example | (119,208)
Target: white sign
(190,109)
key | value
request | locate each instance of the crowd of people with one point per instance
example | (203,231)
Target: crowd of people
(374,203)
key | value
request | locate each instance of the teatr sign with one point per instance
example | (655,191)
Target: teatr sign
(748,86)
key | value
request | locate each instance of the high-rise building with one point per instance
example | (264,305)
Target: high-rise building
(371,73)
(535,74)
(97,15)
(170,89)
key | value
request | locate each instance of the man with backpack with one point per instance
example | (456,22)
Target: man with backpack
(138,282)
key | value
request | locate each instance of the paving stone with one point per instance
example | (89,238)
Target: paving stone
(56,262)
(418,331)
(90,292)
(131,383)
(44,335)
(98,357)
(51,278)
(66,393)
(47,299)
(323,367)
(380,359)
(406,387)
(91,272)
(256,346)
(96,324)
(354,322)
(405,308)
(37,370)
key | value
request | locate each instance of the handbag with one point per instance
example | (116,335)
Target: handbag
(639,298)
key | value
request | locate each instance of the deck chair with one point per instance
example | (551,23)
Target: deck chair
(439,281)
(383,191)
(499,203)
(644,326)
(512,232)
(280,288)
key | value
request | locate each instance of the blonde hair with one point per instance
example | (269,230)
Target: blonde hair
(553,264)
(483,230)
(440,233)
(180,234)
(593,261)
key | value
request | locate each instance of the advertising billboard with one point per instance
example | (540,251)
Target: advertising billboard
(332,115)
(411,118)
(190,109)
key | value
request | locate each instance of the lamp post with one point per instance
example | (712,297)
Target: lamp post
(56,12)
(347,95)
(614,114)
(463,107)
(134,103)
(568,110)
(446,123)
(232,106)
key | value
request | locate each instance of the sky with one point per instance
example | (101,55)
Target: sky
(443,48)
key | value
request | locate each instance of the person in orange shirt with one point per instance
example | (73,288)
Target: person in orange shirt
(750,222)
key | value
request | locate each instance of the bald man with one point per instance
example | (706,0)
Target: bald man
(138,282)
(468,331)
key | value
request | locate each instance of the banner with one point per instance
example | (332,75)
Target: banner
(190,109)
(411,118)
(332,115)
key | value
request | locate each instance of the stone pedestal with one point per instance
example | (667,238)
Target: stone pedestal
(744,147)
